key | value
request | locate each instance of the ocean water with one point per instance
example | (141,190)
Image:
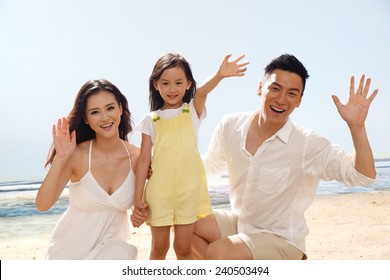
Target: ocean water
(18,213)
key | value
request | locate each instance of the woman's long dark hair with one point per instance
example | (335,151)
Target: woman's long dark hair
(76,117)
(167,61)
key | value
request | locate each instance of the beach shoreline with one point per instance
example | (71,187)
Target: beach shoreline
(342,227)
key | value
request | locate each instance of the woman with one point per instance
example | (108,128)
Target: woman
(92,152)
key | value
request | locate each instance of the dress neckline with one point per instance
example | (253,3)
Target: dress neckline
(89,172)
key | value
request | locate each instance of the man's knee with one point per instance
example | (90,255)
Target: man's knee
(216,252)
(199,247)
(230,248)
(207,228)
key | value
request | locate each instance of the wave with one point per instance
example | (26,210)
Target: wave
(381,159)
(15,183)
(18,197)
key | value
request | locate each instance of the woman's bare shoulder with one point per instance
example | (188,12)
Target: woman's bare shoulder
(132,148)
(80,161)
(134,151)
(82,148)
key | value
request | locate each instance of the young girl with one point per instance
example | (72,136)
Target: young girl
(176,193)
(91,150)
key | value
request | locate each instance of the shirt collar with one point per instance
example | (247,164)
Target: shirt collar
(245,125)
(283,133)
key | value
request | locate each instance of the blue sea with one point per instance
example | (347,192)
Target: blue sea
(18,212)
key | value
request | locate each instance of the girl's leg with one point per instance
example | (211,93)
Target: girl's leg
(182,241)
(160,242)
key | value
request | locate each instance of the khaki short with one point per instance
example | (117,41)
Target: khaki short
(263,245)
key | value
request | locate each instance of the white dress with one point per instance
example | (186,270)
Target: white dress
(96,224)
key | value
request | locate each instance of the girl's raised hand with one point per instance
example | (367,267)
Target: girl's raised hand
(64,142)
(232,68)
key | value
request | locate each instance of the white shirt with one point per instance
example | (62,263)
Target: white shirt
(146,126)
(271,190)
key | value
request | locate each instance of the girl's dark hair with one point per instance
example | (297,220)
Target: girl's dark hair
(288,62)
(167,61)
(76,117)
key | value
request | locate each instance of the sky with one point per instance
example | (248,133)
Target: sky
(49,49)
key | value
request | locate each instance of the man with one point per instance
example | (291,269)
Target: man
(275,166)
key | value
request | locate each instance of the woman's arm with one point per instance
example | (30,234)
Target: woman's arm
(61,168)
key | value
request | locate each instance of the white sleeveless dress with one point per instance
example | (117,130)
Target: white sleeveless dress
(96,224)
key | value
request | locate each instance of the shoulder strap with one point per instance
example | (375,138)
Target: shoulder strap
(90,155)
(128,154)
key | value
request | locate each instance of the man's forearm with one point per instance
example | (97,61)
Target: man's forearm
(364,159)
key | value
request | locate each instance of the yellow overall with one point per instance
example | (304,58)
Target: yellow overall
(177,191)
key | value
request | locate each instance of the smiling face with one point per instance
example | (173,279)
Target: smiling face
(172,86)
(103,114)
(281,92)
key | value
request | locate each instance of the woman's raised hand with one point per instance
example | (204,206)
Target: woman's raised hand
(64,141)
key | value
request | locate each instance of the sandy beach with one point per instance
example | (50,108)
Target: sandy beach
(342,227)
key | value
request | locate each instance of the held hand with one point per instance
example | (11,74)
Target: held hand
(233,68)
(355,111)
(64,143)
(150,172)
(139,215)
